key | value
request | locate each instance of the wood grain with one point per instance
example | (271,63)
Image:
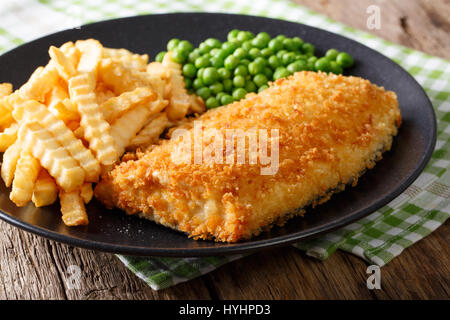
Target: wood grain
(36,268)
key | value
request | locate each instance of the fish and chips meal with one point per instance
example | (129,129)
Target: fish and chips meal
(284,131)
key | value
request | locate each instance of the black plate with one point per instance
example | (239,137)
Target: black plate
(115,232)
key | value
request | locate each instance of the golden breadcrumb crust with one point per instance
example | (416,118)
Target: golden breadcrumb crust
(331,128)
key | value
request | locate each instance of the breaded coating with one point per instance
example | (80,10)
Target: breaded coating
(331,129)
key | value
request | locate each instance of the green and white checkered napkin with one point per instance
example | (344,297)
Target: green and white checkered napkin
(379,237)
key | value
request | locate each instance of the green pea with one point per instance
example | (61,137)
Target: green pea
(288,58)
(336,67)
(258,43)
(172,44)
(239,81)
(220,95)
(247,45)
(232,34)
(261,61)
(179,56)
(216,88)
(266,52)
(210,75)
(288,44)
(254,53)
(160,56)
(189,70)
(274,62)
(187,83)
(226,99)
(204,48)
(262,88)
(296,66)
(312,59)
(244,35)
(231,62)
(185,45)
(239,93)
(213,42)
(229,47)
(197,83)
(203,93)
(264,35)
(297,42)
(250,86)
(308,48)
(241,70)
(224,73)
(280,72)
(227,85)
(322,64)
(217,62)
(281,53)
(200,73)
(280,37)
(260,79)
(240,53)
(202,62)
(244,62)
(214,51)
(211,103)
(345,60)
(193,56)
(268,72)
(332,54)
(255,68)
(276,45)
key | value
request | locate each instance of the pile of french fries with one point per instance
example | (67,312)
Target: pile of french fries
(75,117)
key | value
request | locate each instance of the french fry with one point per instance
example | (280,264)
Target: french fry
(63,64)
(91,54)
(5,89)
(86,192)
(72,208)
(103,93)
(27,170)
(52,156)
(45,190)
(62,110)
(40,83)
(179,101)
(8,137)
(56,95)
(34,111)
(151,131)
(115,107)
(96,129)
(71,52)
(10,158)
(127,126)
(7,104)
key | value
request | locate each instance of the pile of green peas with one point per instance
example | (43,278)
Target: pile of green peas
(223,72)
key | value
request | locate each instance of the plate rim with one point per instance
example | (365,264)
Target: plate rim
(246,246)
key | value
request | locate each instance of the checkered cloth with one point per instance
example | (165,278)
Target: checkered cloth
(379,237)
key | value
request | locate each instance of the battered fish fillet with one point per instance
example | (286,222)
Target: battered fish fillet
(331,129)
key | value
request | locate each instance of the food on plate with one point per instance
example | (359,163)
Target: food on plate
(223,72)
(328,130)
(75,117)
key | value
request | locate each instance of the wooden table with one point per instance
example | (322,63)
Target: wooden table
(35,268)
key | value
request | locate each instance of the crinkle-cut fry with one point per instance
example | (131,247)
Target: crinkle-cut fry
(197,105)
(151,131)
(6,106)
(179,101)
(135,61)
(91,54)
(158,70)
(72,208)
(63,64)
(27,170)
(127,126)
(96,128)
(62,112)
(86,192)
(5,89)
(8,137)
(10,158)
(34,111)
(52,156)
(45,190)
(40,83)
(71,52)
(103,93)
(117,106)
(56,95)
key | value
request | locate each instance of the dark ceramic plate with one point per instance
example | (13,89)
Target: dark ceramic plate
(115,232)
